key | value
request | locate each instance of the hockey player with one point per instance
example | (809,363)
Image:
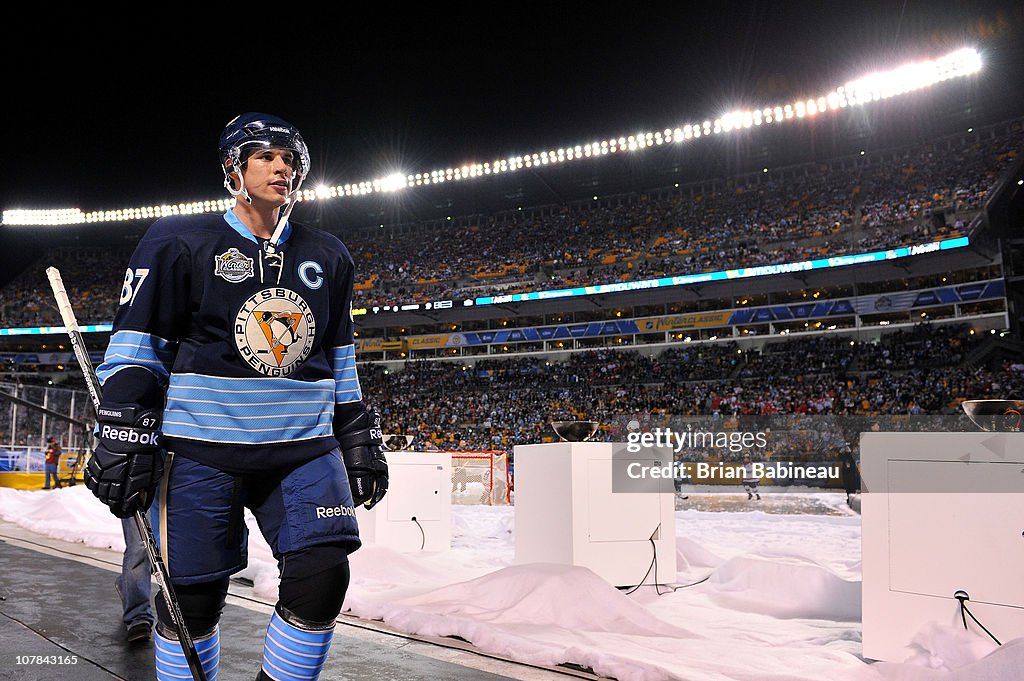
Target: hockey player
(230,383)
(750,479)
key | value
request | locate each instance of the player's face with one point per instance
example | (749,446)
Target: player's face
(268,175)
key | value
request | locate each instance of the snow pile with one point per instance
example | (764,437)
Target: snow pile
(691,554)
(950,653)
(503,612)
(949,647)
(70,513)
(759,596)
(785,586)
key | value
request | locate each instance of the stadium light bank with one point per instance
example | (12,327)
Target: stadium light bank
(864,90)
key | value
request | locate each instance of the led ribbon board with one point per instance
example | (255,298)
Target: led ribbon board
(46,330)
(721,275)
(663,282)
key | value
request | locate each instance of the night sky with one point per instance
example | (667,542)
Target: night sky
(100,116)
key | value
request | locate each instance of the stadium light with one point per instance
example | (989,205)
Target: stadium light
(394,182)
(869,88)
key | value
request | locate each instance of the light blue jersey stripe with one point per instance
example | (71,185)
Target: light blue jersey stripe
(346,380)
(246,385)
(246,436)
(185,420)
(227,402)
(343,363)
(291,417)
(248,410)
(137,349)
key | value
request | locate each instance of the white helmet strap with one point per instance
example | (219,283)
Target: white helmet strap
(286,209)
(236,164)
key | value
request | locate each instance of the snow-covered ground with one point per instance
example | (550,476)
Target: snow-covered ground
(781,599)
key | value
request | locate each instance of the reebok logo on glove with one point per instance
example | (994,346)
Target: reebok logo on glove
(130,435)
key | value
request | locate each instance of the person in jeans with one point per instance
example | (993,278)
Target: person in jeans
(52,460)
(134,585)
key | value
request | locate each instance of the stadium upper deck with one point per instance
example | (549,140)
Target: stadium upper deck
(923,194)
(903,176)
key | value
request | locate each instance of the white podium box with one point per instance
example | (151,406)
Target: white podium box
(566,512)
(941,513)
(415,514)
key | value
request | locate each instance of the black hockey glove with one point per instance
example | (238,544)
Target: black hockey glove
(362,447)
(128,459)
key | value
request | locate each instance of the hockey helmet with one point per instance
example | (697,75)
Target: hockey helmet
(250,132)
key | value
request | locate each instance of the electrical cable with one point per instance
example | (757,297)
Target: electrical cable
(423,534)
(687,586)
(657,586)
(962,597)
(653,565)
(654,548)
(671,589)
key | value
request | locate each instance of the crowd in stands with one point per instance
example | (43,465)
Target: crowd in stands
(92,277)
(822,211)
(500,403)
(496,404)
(804,213)
(957,178)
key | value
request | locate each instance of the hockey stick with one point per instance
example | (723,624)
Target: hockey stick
(141,519)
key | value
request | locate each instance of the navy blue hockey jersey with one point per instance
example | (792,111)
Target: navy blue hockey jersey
(252,351)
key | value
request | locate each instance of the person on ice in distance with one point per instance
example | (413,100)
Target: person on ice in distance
(230,383)
(750,479)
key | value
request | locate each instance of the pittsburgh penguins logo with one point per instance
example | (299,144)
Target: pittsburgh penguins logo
(274,331)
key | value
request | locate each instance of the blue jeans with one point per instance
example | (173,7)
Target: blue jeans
(51,470)
(134,583)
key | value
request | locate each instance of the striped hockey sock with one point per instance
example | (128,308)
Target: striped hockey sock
(294,654)
(171,664)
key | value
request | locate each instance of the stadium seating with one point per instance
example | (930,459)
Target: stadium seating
(813,211)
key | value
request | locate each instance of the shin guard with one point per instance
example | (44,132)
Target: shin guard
(295,649)
(171,664)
